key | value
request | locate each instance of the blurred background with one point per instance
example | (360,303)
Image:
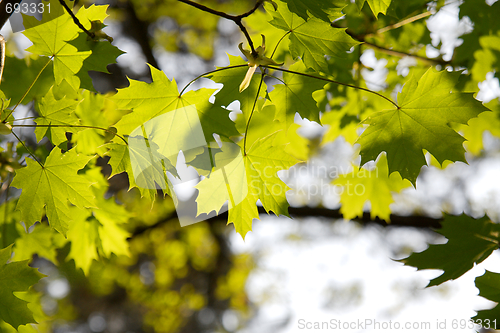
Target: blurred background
(316,267)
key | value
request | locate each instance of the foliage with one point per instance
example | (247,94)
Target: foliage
(69,213)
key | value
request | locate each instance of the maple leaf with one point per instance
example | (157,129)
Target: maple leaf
(97,232)
(311,40)
(15,277)
(295,96)
(57,36)
(375,186)
(246,179)
(470,241)
(50,38)
(83,236)
(103,53)
(422,121)
(42,241)
(54,111)
(52,186)
(170,122)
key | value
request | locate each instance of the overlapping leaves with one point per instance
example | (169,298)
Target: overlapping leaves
(311,40)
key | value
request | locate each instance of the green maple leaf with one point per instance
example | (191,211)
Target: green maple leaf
(15,277)
(54,111)
(52,186)
(57,36)
(311,40)
(170,122)
(470,241)
(231,79)
(248,178)
(377,6)
(97,232)
(375,186)
(325,10)
(295,96)
(50,38)
(489,288)
(422,121)
(103,52)
(110,215)
(83,235)
(43,241)
(145,175)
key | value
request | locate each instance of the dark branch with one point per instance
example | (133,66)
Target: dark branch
(138,29)
(4,16)
(236,19)
(75,19)
(416,221)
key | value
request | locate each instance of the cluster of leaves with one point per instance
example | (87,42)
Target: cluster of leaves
(141,129)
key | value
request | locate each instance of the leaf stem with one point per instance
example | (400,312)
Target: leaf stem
(251,114)
(401,23)
(278,43)
(75,19)
(208,73)
(236,19)
(29,89)
(74,126)
(336,82)
(28,150)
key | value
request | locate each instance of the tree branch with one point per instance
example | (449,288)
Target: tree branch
(396,53)
(76,20)
(236,19)
(416,221)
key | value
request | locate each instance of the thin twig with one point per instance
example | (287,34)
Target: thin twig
(336,82)
(396,53)
(236,19)
(401,23)
(74,126)
(75,19)
(27,149)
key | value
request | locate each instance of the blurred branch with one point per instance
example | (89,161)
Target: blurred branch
(402,23)
(75,19)
(417,221)
(138,29)
(236,19)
